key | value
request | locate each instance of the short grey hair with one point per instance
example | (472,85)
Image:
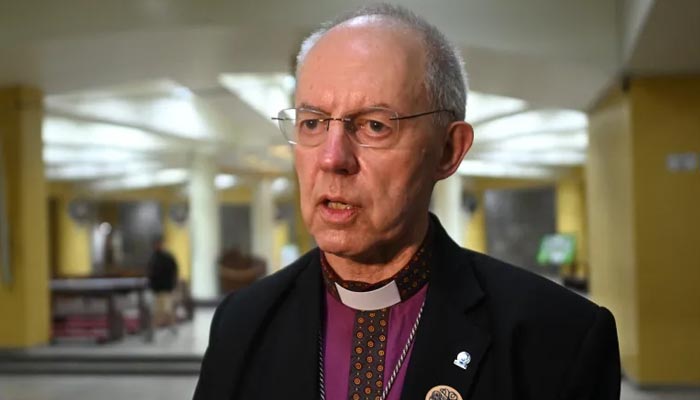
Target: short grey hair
(445,76)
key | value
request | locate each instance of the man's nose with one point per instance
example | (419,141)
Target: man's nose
(338,150)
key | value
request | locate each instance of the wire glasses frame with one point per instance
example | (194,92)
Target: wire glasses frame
(370,127)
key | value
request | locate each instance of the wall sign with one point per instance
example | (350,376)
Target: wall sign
(682,162)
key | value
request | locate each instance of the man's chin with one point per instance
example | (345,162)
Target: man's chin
(340,245)
(337,250)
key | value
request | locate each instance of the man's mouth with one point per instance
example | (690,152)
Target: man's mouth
(337,205)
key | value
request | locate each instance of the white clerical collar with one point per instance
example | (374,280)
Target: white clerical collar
(383,297)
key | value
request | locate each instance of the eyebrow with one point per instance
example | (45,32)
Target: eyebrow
(310,107)
(307,106)
(381,105)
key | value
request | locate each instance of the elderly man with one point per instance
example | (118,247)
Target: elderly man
(388,306)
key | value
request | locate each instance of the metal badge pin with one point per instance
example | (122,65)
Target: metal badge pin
(443,392)
(463,359)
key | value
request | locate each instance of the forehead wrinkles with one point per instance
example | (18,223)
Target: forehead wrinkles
(360,62)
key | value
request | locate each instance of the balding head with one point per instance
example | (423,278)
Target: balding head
(443,77)
(365,62)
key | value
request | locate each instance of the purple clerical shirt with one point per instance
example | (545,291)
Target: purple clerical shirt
(340,320)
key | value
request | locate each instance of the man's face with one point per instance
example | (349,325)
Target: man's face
(358,202)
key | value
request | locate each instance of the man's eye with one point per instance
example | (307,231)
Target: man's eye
(309,124)
(372,127)
(376,126)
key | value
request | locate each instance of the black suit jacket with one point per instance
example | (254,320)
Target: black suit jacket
(528,337)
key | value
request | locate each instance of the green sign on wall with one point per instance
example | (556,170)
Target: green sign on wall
(557,249)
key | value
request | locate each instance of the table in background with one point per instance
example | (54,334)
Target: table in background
(110,290)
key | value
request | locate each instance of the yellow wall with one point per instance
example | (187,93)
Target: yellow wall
(666,119)
(177,241)
(483,184)
(475,228)
(24,302)
(281,239)
(71,242)
(643,222)
(302,238)
(613,275)
(571,216)
(235,195)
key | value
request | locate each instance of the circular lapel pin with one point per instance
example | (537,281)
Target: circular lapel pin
(443,392)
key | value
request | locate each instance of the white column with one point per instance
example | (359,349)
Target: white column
(204,227)
(447,205)
(263,222)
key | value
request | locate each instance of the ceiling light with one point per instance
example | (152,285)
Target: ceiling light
(66,131)
(225,181)
(576,140)
(530,122)
(481,106)
(177,115)
(56,154)
(183,93)
(170,176)
(502,170)
(154,87)
(280,185)
(265,93)
(177,112)
(83,171)
(165,177)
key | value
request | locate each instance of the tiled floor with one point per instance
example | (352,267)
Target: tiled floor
(181,388)
(191,339)
(629,392)
(96,388)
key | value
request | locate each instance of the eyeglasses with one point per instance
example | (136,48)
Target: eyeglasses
(369,127)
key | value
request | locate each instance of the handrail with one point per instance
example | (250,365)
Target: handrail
(5,255)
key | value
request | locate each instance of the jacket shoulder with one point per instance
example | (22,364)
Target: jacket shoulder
(521,295)
(547,333)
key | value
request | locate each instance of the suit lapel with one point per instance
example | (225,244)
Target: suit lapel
(450,325)
(285,351)
(303,347)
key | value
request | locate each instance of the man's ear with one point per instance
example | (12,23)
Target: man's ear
(460,136)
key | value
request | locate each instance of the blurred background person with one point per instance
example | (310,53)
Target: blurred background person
(162,278)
